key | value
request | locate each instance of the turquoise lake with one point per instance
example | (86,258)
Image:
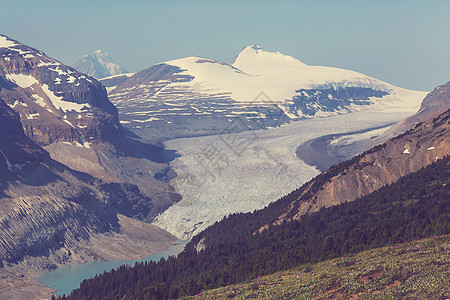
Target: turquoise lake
(69,278)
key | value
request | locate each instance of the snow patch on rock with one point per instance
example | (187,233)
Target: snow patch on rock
(63,105)
(6,43)
(24,81)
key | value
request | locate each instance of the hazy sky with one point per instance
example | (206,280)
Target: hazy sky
(406,43)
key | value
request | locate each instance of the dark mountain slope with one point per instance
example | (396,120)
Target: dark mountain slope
(17,151)
(414,207)
(49,211)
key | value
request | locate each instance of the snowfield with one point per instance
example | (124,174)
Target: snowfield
(240,172)
(279,76)
(255,85)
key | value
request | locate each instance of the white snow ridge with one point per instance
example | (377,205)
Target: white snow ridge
(280,76)
(6,43)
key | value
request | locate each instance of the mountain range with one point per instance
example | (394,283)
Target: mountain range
(79,180)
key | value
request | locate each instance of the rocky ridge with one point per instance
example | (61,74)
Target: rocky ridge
(435,103)
(382,165)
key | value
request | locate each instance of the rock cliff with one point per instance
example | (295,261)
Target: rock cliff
(55,102)
(435,103)
(18,154)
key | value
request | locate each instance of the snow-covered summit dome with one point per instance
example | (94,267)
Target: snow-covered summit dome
(254,60)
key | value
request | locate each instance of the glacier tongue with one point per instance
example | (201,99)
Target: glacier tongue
(240,172)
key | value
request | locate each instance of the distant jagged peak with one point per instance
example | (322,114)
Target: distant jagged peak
(99,64)
(102,55)
(253,59)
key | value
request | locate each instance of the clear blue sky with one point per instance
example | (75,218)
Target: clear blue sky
(404,42)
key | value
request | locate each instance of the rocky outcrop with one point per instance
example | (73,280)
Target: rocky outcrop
(380,166)
(309,102)
(435,103)
(18,154)
(55,102)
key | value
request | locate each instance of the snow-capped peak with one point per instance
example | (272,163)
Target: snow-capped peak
(99,64)
(102,56)
(279,76)
(254,60)
(255,47)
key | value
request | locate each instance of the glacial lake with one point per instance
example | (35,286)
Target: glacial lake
(69,278)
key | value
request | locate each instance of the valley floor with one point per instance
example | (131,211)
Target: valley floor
(137,241)
(240,172)
(415,270)
(18,286)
